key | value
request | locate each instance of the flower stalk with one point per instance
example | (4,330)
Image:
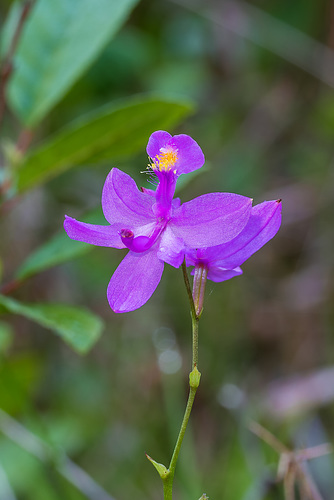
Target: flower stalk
(194,380)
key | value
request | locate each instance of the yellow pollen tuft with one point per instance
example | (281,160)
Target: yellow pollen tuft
(166,159)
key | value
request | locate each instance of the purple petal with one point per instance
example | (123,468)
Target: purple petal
(105,236)
(171,248)
(219,274)
(263,224)
(123,202)
(176,203)
(147,191)
(134,281)
(211,219)
(190,155)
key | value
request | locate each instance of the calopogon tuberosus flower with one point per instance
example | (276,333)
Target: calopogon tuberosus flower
(155,227)
(223,262)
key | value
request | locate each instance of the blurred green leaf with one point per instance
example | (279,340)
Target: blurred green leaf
(77,327)
(58,249)
(184,180)
(59,41)
(9,28)
(20,375)
(6,336)
(115,131)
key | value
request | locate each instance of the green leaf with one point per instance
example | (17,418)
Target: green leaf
(77,327)
(58,249)
(60,40)
(9,28)
(20,374)
(116,131)
(6,336)
(161,468)
(186,179)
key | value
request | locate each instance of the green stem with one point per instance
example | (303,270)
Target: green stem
(190,295)
(194,379)
(195,325)
(168,482)
(194,317)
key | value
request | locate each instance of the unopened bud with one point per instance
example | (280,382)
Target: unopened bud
(194,378)
(200,275)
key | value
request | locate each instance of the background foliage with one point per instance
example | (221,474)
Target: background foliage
(84,86)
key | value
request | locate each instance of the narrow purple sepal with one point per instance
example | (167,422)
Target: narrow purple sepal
(263,224)
(219,274)
(105,236)
(134,281)
(211,219)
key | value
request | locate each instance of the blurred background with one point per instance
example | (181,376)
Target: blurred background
(252,82)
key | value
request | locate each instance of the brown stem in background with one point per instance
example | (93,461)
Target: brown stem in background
(307,484)
(7,205)
(7,66)
(9,287)
(289,484)
(268,437)
(291,470)
(24,140)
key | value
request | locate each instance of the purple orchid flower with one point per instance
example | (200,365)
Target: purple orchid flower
(153,226)
(222,262)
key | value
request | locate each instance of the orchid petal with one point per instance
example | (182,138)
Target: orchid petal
(211,219)
(263,224)
(176,203)
(105,236)
(147,191)
(171,248)
(123,202)
(219,274)
(134,281)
